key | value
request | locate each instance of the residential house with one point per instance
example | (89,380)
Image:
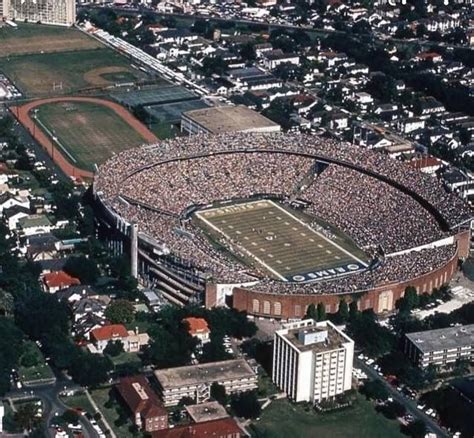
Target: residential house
(55,281)
(198,328)
(13,214)
(34,224)
(8,200)
(277,57)
(132,341)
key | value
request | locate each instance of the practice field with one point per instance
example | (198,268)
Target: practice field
(40,38)
(58,73)
(281,243)
(87,133)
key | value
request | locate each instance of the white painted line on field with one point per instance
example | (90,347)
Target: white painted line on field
(259,260)
(340,248)
(55,139)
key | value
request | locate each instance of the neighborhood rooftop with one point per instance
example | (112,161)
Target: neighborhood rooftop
(443,339)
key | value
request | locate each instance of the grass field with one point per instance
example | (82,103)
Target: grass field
(88,133)
(279,242)
(38,38)
(78,401)
(284,420)
(56,73)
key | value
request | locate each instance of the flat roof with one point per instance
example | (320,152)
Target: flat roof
(441,339)
(204,373)
(334,338)
(206,412)
(222,119)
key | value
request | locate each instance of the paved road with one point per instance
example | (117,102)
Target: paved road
(409,404)
(52,405)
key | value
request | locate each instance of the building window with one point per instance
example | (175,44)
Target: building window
(277,308)
(255,306)
(297,310)
(266,307)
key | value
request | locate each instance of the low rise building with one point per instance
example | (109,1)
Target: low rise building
(312,361)
(198,328)
(55,281)
(132,341)
(218,120)
(195,381)
(223,428)
(206,412)
(440,347)
(147,411)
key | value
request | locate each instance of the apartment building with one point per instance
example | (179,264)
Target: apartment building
(441,347)
(195,381)
(57,12)
(312,361)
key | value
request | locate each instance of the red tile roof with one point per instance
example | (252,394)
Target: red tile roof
(60,279)
(196,325)
(111,331)
(422,163)
(140,398)
(224,428)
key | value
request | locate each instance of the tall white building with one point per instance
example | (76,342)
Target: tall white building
(312,361)
(58,12)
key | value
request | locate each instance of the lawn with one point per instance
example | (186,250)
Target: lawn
(39,372)
(111,412)
(57,73)
(38,38)
(88,133)
(78,400)
(126,358)
(283,419)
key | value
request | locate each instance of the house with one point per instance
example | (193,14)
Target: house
(427,164)
(83,327)
(34,224)
(52,265)
(410,124)
(132,341)
(42,247)
(274,58)
(13,214)
(88,305)
(428,56)
(338,121)
(198,328)
(429,106)
(223,428)
(148,414)
(55,281)
(75,293)
(8,200)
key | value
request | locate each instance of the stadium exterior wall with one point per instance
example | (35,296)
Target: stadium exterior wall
(381,299)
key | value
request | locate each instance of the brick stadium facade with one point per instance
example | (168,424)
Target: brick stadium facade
(380,299)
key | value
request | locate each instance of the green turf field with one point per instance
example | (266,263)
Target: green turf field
(52,74)
(278,241)
(283,419)
(40,38)
(87,133)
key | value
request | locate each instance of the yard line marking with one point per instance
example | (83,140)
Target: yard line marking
(321,235)
(245,250)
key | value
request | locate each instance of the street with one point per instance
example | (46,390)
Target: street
(408,403)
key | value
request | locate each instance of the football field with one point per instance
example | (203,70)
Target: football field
(282,244)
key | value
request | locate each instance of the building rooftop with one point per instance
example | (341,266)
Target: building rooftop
(140,398)
(196,325)
(314,336)
(60,279)
(204,373)
(206,412)
(216,429)
(222,119)
(111,331)
(441,339)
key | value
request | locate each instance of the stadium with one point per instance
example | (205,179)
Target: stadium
(271,223)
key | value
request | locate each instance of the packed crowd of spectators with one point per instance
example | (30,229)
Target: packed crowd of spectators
(161,181)
(373,213)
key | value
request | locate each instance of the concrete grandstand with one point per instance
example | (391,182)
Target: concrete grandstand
(376,224)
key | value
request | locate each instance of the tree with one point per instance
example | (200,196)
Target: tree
(321,312)
(30,356)
(218,393)
(113,348)
(415,429)
(26,417)
(214,65)
(353,310)
(246,404)
(186,401)
(90,369)
(343,311)
(410,300)
(83,268)
(214,350)
(392,410)
(71,417)
(120,312)
(247,52)
(374,390)
(311,312)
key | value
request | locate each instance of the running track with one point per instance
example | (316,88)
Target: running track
(22,113)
